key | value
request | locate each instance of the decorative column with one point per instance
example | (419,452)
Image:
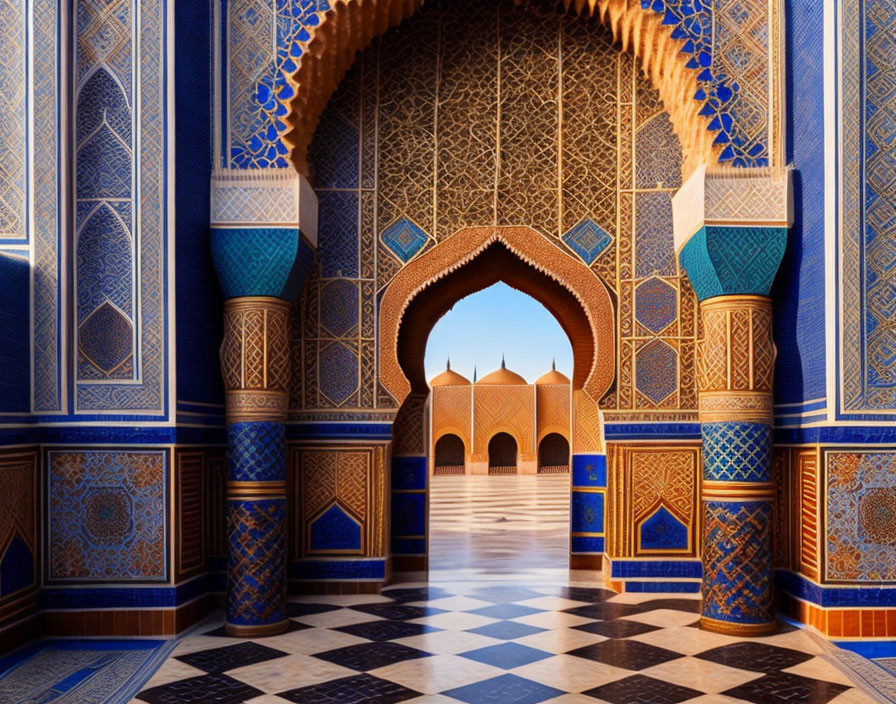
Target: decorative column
(588,491)
(731,233)
(261,269)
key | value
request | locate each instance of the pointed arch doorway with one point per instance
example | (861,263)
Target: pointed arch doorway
(422,292)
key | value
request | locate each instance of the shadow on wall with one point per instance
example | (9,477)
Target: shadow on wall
(788,383)
(15,383)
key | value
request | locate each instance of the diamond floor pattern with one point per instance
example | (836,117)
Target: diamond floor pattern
(623,654)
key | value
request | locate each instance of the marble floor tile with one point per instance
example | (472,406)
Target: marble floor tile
(495,626)
(569,673)
(665,618)
(322,639)
(820,669)
(438,673)
(711,678)
(289,672)
(448,642)
(456,621)
(561,640)
(335,619)
(552,619)
(172,670)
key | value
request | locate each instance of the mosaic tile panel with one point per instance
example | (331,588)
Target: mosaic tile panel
(81,672)
(105,187)
(13,119)
(340,498)
(20,553)
(861,516)
(108,515)
(255,561)
(264,40)
(47,348)
(257,451)
(867,271)
(737,561)
(105,250)
(737,452)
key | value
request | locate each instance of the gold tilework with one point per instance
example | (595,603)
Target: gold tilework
(529,117)
(735,363)
(644,479)
(255,358)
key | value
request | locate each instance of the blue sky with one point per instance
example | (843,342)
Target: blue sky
(498,320)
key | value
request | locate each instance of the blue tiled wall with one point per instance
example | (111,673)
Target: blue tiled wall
(800,287)
(199,303)
(14,332)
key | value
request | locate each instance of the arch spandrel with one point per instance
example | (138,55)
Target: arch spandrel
(589,323)
(349,26)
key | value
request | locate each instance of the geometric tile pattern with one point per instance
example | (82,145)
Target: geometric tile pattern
(737,452)
(643,650)
(723,260)
(339,307)
(12,119)
(727,42)
(47,344)
(107,515)
(418,141)
(656,364)
(115,42)
(868,269)
(661,486)
(19,526)
(257,451)
(105,250)
(861,516)
(265,43)
(737,561)
(404,239)
(656,304)
(338,372)
(587,239)
(254,261)
(256,561)
(79,671)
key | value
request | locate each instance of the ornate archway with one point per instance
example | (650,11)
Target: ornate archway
(503,452)
(564,285)
(423,291)
(450,454)
(553,454)
(319,59)
(673,65)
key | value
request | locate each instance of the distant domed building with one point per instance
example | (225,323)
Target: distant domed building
(500,424)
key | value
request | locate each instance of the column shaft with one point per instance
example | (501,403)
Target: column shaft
(735,369)
(256,368)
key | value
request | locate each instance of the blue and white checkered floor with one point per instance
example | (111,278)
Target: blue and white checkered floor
(499,642)
(494,624)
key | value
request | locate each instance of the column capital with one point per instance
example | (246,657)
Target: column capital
(730,227)
(264,198)
(734,197)
(263,231)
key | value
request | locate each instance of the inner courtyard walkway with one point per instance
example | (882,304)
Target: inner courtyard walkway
(482,527)
(501,620)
